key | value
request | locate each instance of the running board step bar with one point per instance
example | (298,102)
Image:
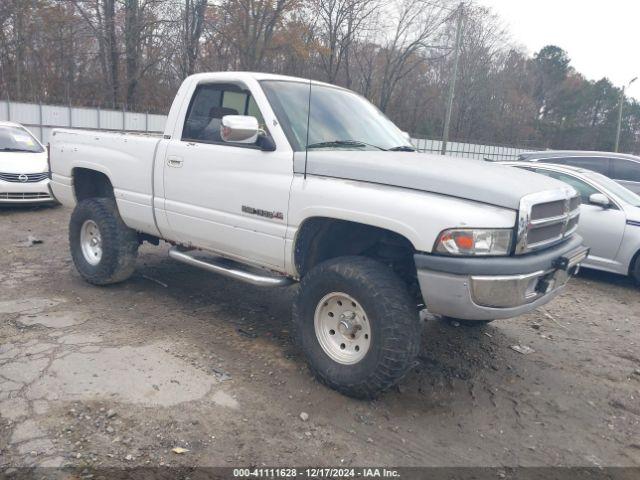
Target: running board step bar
(231,269)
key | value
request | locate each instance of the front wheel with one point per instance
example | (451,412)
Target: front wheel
(357,325)
(103,248)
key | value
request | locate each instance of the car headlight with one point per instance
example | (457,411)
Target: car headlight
(474,241)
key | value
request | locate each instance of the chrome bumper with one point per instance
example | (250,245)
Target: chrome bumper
(478,295)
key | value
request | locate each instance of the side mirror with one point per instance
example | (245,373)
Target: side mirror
(266,143)
(599,199)
(239,129)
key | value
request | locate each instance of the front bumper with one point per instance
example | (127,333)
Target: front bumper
(17,192)
(491,288)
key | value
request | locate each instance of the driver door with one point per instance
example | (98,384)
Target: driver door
(225,197)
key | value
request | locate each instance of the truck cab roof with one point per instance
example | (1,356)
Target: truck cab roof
(256,76)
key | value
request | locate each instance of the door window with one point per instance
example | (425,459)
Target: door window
(236,101)
(625,170)
(209,104)
(596,164)
(584,189)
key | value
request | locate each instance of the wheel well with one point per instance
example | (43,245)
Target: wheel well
(89,183)
(321,239)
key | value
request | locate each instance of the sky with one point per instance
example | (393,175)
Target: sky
(601,37)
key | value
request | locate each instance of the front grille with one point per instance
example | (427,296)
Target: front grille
(541,234)
(573,224)
(546,210)
(24,177)
(574,203)
(24,196)
(547,218)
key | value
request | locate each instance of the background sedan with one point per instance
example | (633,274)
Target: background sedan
(623,168)
(609,217)
(24,172)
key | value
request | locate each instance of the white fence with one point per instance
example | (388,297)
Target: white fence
(41,119)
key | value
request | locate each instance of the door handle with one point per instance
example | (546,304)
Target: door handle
(175,162)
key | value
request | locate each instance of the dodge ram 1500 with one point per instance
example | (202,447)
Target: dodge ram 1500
(278,180)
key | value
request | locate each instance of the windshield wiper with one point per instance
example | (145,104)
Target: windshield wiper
(401,148)
(342,143)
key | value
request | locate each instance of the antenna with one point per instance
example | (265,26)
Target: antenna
(306,150)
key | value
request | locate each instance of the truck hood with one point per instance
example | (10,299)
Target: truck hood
(476,180)
(23,162)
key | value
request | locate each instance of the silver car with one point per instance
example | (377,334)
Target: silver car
(609,217)
(621,167)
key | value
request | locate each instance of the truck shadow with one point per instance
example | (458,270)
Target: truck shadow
(451,360)
(450,356)
(18,209)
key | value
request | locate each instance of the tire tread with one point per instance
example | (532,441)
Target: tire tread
(401,330)
(120,243)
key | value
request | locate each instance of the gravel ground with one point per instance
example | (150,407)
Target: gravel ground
(176,357)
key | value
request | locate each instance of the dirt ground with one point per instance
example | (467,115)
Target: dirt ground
(177,357)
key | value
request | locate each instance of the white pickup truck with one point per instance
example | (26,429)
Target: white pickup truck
(275,180)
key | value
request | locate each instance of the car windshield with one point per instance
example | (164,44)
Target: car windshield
(17,139)
(618,190)
(339,119)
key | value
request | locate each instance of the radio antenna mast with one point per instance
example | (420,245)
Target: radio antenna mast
(306,150)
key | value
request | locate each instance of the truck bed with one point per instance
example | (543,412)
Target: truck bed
(127,160)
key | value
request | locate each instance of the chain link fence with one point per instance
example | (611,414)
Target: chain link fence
(471,150)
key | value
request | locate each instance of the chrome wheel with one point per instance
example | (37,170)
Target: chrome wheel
(91,242)
(342,328)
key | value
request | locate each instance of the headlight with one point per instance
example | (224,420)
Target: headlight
(474,241)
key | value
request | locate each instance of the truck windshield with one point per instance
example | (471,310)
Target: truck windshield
(17,139)
(339,119)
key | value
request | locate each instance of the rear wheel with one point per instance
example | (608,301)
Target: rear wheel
(103,248)
(357,325)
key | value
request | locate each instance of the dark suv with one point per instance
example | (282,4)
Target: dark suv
(623,168)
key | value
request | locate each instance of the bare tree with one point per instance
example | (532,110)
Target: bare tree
(482,55)
(295,45)
(141,34)
(132,40)
(340,22)
(397,54)
(100,15)
(193,16)
(19,47)
(415,25)
(249,25)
